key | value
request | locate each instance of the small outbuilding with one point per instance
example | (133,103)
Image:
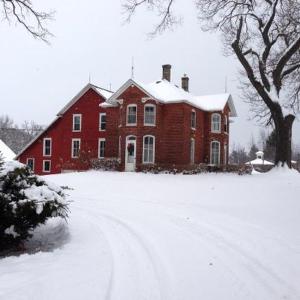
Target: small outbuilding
(6,152)
(260,164)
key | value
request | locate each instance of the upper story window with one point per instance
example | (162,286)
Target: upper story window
(226,124)
(193,119)
(216,123)
(131,114)
(75,148)
(149,114)
(102,121)
(77,122)
(215,153)
(149,149)
(47,147)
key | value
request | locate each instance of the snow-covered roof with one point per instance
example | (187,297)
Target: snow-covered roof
(6,152)
(167,92)
(104,92)
(101,91)
(259,161)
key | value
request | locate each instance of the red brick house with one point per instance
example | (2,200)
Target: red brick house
(141,124)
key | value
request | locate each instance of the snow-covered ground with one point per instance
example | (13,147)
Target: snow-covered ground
(6,152)
(140,236)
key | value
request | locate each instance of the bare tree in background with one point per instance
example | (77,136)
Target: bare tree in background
(17,137)
(264,35)
(24,12)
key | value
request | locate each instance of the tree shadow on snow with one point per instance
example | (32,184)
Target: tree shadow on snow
(52,235)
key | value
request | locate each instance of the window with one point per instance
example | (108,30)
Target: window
(102,121)
(75,148)
(216,123)
(120,144)
(192,154)
(193,119)
(101,148)
(225,155)
(149,114)
(46,166)
(30,163)
(225,124)
(47,145)
(131,114)
(77,122)
(215,153)
(148,149)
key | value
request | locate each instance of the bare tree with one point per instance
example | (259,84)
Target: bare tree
(264,35)
(23,12)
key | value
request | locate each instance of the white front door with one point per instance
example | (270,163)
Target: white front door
(130,154)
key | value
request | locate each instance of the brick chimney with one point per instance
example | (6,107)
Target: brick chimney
(185,83)
(166,72)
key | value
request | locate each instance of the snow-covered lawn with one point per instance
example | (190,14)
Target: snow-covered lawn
(141,236)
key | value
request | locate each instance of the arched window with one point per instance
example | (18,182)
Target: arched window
(131,114)
(149,114)
(148,149)
(215,153)
(216,123)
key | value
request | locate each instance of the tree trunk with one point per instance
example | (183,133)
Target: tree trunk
(283,154)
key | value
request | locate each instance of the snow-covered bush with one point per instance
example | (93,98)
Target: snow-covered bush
(106,164)
(26,201)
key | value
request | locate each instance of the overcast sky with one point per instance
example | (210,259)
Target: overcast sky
(90,38)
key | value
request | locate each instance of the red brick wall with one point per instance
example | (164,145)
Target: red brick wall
(61,134)
(172,132)
(221,137)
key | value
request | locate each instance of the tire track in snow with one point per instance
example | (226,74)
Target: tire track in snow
(116,230)
(263,276)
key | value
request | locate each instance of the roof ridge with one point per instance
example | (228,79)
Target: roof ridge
(99,87)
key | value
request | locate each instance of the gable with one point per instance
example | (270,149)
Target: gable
(65,109)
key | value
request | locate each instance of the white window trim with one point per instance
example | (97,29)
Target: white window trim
(44,148)
(73,125)
(28,158)
(46,171)
(212,123)
(72,148)
(127,110)
(149,124)
(144,137)
(225,154)
(100,122)
(192,159)
(120,147)
(226,123)
(194,112)
(219,156)
(99,142)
